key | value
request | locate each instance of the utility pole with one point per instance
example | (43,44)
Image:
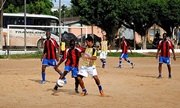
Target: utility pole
(60,21)
(1,23)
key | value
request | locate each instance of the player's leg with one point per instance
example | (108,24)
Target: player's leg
(81,83)
(169,70)
(93,72)
(82,73)
(45,63)
(103,62)
(160,70)
(99,85)
(131,63)
(58,70)
(43,74)
(76,84)
(120,62)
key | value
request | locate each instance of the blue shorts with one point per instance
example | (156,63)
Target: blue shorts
(165,60)
(49,62)
(123,55)
(74,70)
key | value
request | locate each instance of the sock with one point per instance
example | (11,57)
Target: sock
(129,62)
(120,62)
(99,87)
(84,90)
(43,76)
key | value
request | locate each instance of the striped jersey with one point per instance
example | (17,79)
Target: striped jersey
(124,47)
(72,56)
(50,46)
(165,46)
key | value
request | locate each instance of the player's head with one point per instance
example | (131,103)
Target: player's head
(48,34)
(72,43)
(89,41)
(123,38)
(164,36)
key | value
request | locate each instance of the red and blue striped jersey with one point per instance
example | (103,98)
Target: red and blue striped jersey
(124,46)
(72,56)
(165,46)
(50,46)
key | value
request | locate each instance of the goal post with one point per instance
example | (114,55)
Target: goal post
(17,29)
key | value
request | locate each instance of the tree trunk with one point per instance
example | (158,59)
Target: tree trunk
(144,41)
(1,24)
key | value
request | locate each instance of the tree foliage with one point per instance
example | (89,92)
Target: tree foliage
(32,6)
(138,15)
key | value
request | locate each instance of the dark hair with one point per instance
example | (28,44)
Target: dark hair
(89,38)
(72,42)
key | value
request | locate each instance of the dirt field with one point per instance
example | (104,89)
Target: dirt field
(124,88)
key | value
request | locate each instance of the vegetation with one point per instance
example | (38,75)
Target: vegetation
(110,15)
(138,15)
(38,55)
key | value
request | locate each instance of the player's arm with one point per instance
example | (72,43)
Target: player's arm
(174,56)
(157,53)
(172,49)
(44,52)
(63,58)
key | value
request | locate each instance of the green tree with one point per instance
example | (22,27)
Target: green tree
(33,6)
(169,16)
(138,16)
(102,13)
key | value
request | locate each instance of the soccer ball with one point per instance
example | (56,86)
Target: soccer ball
(60,82)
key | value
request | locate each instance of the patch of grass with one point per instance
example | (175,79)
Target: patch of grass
(38,54)
(19,56)
(117,54)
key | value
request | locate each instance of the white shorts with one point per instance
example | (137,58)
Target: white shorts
(103,55)
(84,71)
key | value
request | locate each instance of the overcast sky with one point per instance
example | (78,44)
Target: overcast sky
(65,2)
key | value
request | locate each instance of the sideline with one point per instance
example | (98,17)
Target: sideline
(137,51)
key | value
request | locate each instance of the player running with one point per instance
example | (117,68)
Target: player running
(124,54)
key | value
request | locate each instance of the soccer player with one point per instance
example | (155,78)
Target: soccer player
(88,66)
(72,56)
(49,57)
(103,52)
(163,51)
(124,54)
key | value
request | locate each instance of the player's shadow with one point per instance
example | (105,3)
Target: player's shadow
(147,76)
(38,81)
(62,90)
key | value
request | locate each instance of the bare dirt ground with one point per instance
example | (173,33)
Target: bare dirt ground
(124,88)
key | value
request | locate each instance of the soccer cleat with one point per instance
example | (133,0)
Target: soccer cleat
(76,90)
(103,66)
(169,76)
(119,66)
(84,93)
(56,87)
(159,76)
(132,65)
(42,82)
(101,93)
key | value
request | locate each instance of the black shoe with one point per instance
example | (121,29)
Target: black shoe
(132,65)
(169,76)
(56,87)
(103,66)
(159,76)
(76,90)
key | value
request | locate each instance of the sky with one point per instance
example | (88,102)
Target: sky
(65,2)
